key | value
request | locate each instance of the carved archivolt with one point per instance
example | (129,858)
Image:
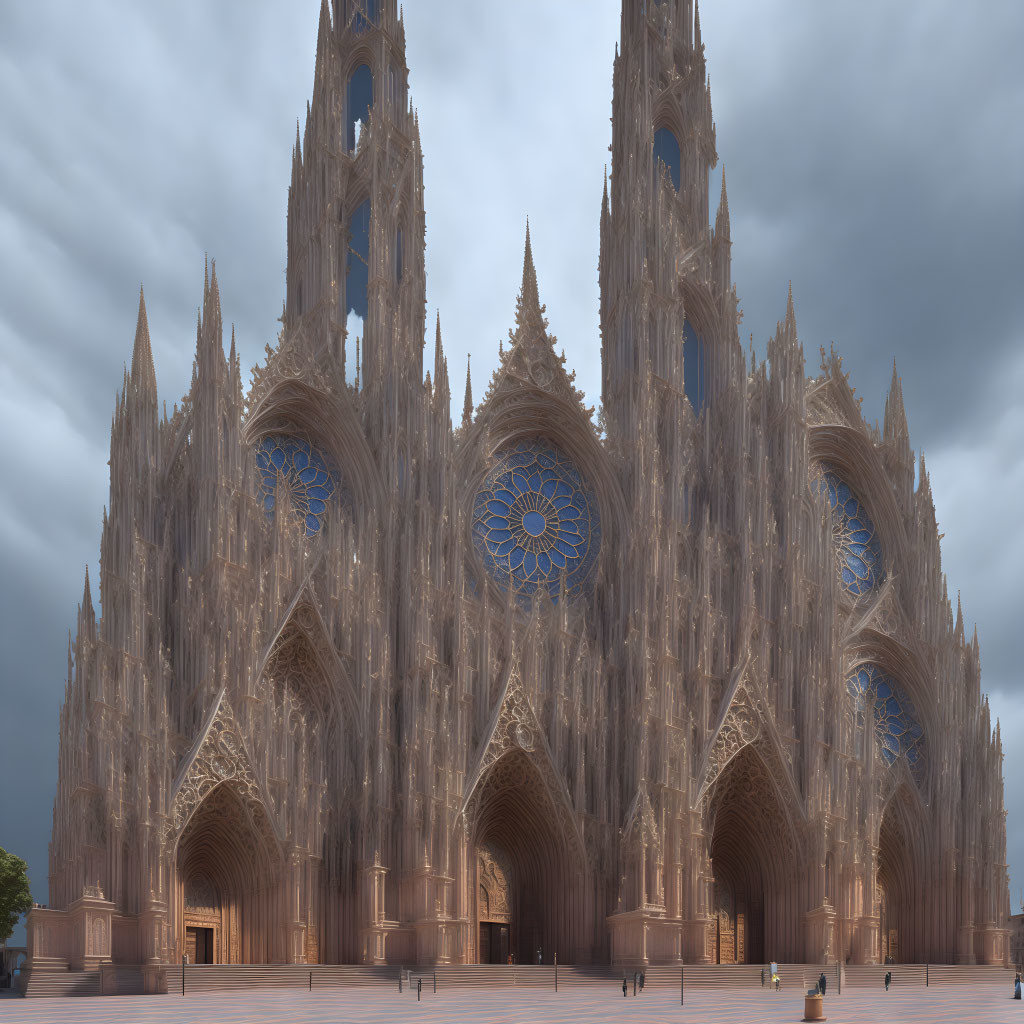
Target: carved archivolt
(515,727)
(219,758)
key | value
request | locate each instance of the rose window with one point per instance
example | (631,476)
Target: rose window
(858,549)
(536,522)
(304,470)
(897,726)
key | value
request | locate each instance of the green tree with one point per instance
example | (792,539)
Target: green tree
(15,898)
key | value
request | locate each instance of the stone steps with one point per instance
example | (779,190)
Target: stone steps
(46,982)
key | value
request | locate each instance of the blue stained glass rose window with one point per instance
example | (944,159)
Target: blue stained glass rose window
(858,550)
(897,726)
(536,521)
(311,480)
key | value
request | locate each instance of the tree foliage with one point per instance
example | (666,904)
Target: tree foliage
(15,898)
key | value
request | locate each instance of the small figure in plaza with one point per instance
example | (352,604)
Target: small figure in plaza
(888,980)
(540,955)
(1016,985)
(625,987)
(762,977)
(822,982)
(419,988)
(643,978)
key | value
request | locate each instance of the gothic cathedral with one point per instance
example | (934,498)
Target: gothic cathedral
(678,682)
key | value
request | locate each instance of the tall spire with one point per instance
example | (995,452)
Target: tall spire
(467,405)
(143,374)
(528,306)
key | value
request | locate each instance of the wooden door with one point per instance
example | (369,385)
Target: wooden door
(191,943)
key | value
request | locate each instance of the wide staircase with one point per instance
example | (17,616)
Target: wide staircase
(197,978)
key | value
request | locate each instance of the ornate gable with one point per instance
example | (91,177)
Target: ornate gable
(219,757)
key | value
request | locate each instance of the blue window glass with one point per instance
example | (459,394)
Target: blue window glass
(357,267)
(309,477)
(897,726)
(694,368)
(858,549)
(366,15)
(536,521)
(666,150)
(359,100)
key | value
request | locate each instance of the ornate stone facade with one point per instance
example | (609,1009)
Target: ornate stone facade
(686,686)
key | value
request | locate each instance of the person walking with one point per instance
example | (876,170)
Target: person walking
(1016,985)
(643,978)
(625,987)
(888,980)
(822,982)
(762,977)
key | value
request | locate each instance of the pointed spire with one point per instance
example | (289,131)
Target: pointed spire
(790,312)
(722,220)
(143,375)
(894,423)
(87,593)
(438,348)
(529,299)
(958,631)
(467,405)
(696,25)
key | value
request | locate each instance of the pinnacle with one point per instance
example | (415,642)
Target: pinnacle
(86,591)
(467,406)
(143,375)
(529,299)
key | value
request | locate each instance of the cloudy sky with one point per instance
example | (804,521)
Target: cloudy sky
(873,155)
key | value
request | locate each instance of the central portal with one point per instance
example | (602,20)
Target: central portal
(526,897)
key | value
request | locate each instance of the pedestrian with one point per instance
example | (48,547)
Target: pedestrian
(1016,985)
(624,987)
(888,980)
(778,982)
(643,978)
(635,977)
(822,982)
(540,955)
(762,977)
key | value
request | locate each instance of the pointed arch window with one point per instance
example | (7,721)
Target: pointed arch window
(358,101)
(694,368)
(666,151)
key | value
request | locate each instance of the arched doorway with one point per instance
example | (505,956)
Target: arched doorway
(229,876)
(752,863)
(897,879)
(527,874)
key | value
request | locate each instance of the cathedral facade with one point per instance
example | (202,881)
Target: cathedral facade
(679,682)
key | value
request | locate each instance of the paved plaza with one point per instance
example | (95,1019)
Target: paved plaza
(581,1005)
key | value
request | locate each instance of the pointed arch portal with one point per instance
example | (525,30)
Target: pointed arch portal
(900,857)
(228,881)
(526,877)
(752,858)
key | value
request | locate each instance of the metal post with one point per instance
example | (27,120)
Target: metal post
(682,985)
(310,981)
(839,976)
(926,975)
(419,988)
(400,972)
(435,981)
(556,972)
(184,960)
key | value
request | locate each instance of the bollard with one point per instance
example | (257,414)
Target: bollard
(419,988)
(556,972)
(184,960)
(682,985)
(435,981)
(926,975)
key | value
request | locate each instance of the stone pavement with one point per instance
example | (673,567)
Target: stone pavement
(580,1005)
